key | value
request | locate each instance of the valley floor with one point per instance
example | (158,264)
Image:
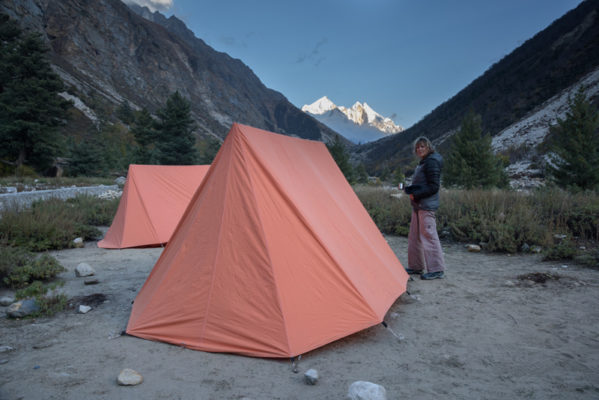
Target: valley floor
(480,333)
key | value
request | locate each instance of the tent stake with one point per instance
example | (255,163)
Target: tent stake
(400,338)
(294,364)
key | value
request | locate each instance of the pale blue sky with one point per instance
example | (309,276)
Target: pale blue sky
(402,57)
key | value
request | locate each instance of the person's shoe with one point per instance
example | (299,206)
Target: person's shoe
(411,271)
(433,275)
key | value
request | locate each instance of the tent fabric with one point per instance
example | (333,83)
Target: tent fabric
(154,199)
(275,256)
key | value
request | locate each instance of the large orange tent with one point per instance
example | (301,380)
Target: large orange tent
(154,199)
(274,256)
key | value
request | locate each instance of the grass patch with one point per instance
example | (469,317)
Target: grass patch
(501,220)
(53,224)
(49,304)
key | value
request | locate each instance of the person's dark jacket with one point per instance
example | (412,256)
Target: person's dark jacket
(426,183)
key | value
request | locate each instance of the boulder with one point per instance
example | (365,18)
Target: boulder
(22,308)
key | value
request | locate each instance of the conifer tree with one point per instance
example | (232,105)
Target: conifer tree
(361,173)
(146,136)
(175,139)
(575,145)
(471,162)
(339,154)
(30,108)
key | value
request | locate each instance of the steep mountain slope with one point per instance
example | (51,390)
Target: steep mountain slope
(106,54)
(544,66)
(359,123)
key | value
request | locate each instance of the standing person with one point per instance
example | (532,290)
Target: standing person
(424,247)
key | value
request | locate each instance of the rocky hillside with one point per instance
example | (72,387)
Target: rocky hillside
(106,54)
(547,66)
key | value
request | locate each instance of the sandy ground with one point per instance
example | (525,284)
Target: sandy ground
(481,333)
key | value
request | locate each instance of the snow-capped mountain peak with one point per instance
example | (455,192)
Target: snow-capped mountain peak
(320,106)
(360,123)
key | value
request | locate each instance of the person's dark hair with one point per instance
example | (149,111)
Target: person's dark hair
(425,140)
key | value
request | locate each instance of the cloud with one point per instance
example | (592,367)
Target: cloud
(314,57)
(153,5)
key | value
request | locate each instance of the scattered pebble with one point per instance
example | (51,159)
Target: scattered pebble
(78,243)
(84,269)
(84,309)
(311,376)
(362,390)
(6,300)
(473,248)
(91,281)
(6,349)
(129,377)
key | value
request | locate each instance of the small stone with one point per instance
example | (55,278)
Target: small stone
(408,298)
(84,269)
(473,248)
(536,249)
(510,283)
(6,301)
(6,349)
(311,376)
(22,308)
(84,309)
(91,281)
(129,377)
(362,390)
(78,243)
(564,266)
(3,361)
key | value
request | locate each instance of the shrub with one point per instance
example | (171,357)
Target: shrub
(49,305)
(503,221)
(29,269)
(54,223)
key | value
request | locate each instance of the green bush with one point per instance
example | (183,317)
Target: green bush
(53,224)
(29,269)
(49,305)
(501,220)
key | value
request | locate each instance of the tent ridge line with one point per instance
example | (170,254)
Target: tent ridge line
(252,153)
(219,236)
(143,204)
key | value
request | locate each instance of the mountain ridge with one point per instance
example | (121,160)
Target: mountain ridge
(545,65)
(106,54)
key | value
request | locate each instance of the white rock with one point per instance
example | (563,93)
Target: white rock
(6,349)
(362,390)
(84,309)
(6,301)
(473,248)
(311,376)
(84,269)
(78,242)
(129,377)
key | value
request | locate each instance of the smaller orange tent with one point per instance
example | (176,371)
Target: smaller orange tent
(153,201)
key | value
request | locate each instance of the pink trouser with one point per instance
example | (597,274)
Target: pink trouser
(424,247)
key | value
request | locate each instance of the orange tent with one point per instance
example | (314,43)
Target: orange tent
(154,199)
(274,256)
